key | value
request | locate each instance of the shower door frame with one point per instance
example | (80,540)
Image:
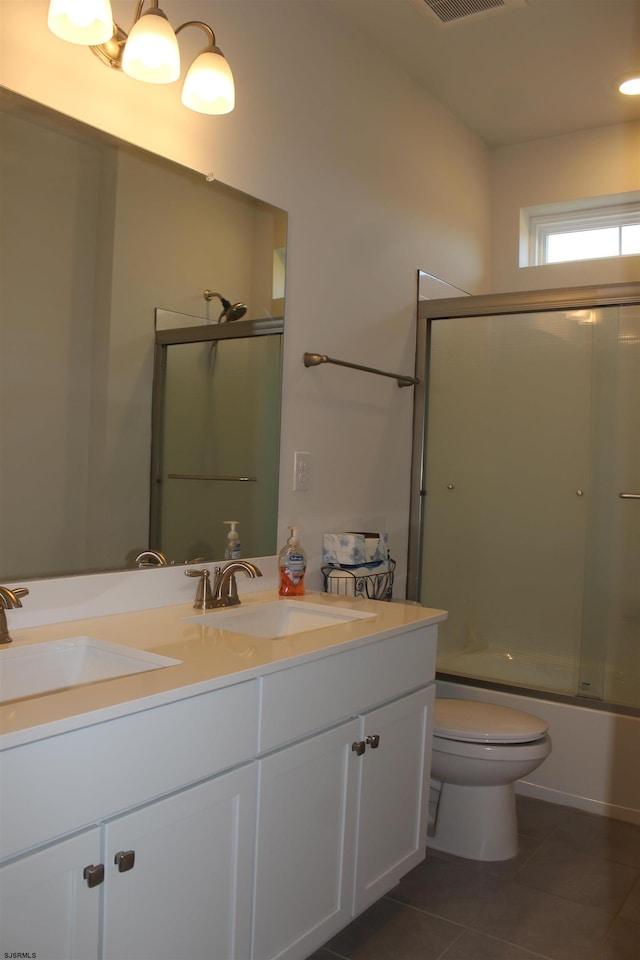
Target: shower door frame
(483,305)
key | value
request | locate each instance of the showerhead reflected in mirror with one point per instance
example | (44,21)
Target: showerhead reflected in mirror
(86,225)
(230,311)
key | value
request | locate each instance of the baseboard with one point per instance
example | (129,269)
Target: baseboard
(598,807)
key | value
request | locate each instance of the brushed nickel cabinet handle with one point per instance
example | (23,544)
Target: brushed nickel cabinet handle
(94,874)
(124,860)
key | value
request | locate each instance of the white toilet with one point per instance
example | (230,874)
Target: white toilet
(479,751)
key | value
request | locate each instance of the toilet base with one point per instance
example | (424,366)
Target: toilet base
(478,823)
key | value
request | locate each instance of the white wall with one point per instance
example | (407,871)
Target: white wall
(379,180)
(576,166)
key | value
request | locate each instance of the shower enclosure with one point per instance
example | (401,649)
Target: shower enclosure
(526,490)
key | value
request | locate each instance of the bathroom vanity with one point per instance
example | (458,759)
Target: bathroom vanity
(245,802)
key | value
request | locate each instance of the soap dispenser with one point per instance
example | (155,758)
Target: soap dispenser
(292,563)
(232,550)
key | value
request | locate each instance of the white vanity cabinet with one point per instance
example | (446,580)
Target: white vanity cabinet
(342,813)
(46,906)
(167,870)
(392,813)
(174,879)
(251,821)
(306,834)
(178,874)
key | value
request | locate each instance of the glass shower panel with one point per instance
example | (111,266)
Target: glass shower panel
(218,450)
(505,522)
(610,661)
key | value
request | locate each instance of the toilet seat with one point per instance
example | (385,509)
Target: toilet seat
(475,722)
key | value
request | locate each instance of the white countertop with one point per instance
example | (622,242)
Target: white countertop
(210,657)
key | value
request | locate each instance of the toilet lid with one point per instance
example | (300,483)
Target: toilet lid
(476,722)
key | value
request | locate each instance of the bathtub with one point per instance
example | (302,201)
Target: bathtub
(595,761)
(547,673)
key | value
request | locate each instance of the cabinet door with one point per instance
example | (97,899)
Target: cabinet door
(304,860)
(392,821)
(47,909)
(183,884)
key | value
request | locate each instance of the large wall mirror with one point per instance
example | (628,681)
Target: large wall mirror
(98,238)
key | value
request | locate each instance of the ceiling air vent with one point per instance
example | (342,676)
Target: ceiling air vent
(450,11)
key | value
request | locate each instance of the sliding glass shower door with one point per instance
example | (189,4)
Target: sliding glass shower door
(610,652)
(531,435)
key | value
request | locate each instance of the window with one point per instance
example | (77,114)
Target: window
(558,233)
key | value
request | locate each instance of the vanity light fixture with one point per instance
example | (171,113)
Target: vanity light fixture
(149,52)
(630,85)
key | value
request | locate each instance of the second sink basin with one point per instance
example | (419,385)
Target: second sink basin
(45,667)
(279,618)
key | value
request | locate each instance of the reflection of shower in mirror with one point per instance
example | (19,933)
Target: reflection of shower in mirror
(230,311)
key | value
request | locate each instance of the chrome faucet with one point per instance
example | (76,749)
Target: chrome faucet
(151,558)
(9,598)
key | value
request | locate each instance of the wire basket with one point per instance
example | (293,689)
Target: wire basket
(342,582)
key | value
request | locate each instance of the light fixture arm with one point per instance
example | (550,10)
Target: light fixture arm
(203,26)
(111,52)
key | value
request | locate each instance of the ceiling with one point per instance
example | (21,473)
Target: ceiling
(537,68)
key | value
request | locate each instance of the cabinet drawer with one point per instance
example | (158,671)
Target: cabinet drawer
(52,787)
(303,699)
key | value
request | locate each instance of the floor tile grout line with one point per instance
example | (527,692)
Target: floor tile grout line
(340,956)
(442,956)
(559,896)
(428,913)
(532,953)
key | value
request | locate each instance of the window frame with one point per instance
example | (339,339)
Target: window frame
(542,222)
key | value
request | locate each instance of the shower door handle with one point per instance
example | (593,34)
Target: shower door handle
(629,496)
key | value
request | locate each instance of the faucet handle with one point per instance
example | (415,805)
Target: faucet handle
(204,597)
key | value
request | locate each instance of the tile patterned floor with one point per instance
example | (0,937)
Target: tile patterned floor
(572,893)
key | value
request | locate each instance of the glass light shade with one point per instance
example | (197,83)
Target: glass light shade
(630,86)
(208,86)
(88,22)
(151,52)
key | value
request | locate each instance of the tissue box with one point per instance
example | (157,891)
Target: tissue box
(355,548)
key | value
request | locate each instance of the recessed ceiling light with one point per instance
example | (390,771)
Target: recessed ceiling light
(630,85)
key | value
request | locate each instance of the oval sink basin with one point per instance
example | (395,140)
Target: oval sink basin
(45,667)
(280,618)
